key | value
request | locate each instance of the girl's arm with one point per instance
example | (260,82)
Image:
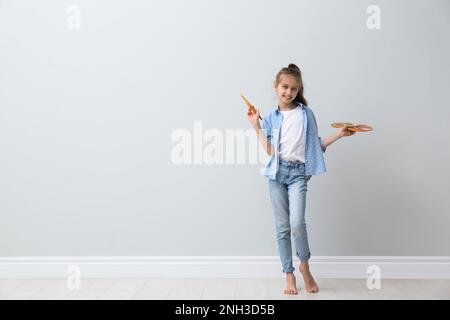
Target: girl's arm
(254,120)
(263,139)
(343,132)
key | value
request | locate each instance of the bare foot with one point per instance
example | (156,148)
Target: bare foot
(291,288)
(310,284)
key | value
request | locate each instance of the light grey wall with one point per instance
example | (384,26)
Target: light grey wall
(86,118)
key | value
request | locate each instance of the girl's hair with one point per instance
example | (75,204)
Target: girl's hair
(294,71)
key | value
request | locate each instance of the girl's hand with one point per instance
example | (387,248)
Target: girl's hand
(343,132)
(253,118)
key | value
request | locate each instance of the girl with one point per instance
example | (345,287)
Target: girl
(289,135)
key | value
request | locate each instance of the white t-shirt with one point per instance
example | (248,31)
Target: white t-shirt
(292,146)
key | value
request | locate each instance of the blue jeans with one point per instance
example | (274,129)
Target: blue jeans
(288,198)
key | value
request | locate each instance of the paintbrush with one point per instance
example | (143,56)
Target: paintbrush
(251,107)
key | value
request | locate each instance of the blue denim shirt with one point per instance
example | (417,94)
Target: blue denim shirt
(314,161)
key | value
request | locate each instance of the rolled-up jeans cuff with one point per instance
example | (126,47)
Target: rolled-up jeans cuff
(291,269)
(305,258)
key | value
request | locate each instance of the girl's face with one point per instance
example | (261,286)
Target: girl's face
(287,88)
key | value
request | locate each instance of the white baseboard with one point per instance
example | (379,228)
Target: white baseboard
(391,267)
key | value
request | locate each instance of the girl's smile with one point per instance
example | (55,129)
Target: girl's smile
(287,90)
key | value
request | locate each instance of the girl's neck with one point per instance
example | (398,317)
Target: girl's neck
(286,107)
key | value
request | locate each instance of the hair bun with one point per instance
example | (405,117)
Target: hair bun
(294,67)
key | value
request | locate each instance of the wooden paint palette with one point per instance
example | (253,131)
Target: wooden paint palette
(352,127)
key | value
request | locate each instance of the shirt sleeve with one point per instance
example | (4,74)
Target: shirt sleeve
(317,131)
(320,141)
(267,128)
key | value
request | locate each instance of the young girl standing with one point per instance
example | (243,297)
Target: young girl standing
(289,135)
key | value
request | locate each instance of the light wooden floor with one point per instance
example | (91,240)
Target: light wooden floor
(208,288)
